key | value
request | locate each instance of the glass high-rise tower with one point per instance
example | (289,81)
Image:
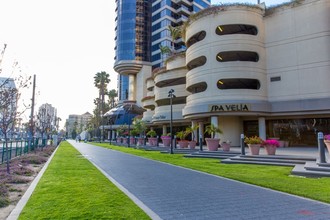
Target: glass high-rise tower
(141,27)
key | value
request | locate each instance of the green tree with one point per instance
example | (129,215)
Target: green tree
(101,81)
(175,33)
(112,94)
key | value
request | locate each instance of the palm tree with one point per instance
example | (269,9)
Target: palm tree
(175,34)
(112,94)
(164,50)
(101,81)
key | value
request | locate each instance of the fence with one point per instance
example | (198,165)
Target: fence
(19,148)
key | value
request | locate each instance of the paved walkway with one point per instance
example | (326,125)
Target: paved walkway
(169,192)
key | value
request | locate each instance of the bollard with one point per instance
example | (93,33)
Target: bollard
(174,141)
(321,147)
(242,145)
(157,142)
(200,143)
(145,141)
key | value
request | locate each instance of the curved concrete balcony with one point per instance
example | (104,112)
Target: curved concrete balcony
(163,113)
(201,104)
(171,77)
(162,93)
(147,116)
(148,102)
(150,84)
(176,61)
(127,67)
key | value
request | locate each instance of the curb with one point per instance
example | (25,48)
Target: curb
(22,202)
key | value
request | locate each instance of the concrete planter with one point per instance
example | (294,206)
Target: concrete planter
(212,143)
(270,149)
(254,149)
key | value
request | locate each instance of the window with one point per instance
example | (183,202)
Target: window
(238,83)
(236,29)
(195,38)
(228,56)
(197,62)
(197,88)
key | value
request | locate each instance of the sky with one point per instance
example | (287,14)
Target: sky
(64,43)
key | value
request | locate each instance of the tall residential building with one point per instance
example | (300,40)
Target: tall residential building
(141,27)
(46,120)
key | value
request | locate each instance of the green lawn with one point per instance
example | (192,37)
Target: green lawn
(274,177)
(72,188)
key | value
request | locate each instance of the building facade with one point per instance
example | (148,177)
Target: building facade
(76,124)
(141,27)
(249,70)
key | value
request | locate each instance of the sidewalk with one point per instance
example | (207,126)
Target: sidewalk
(169,192)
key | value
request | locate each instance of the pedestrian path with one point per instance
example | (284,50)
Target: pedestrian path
(169,192)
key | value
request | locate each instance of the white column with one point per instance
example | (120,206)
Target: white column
(214,121)
(164,130)
(201,130)
(131,87)
(262,128)
(193,123)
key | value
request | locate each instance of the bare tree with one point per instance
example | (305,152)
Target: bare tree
(9,113)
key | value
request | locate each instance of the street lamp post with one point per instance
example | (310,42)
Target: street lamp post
(171,96)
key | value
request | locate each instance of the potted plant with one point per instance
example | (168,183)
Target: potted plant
(254,144)
(133,133)
(166,139)
(327,141)
(191,130)
(140,127)
(225,145)
(152,137)
(212,143)
(182,142)
(270,146)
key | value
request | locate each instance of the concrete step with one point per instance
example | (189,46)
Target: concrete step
(281,157)
(207,156)
(268,159)
(316,167)
(230,161)
(220,152)
(300,170)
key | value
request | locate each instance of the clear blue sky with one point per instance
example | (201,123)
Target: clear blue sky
(65,43)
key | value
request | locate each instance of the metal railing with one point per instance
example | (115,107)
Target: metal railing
(17,148)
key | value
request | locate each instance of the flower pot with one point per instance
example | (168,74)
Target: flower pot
(327,143)
(183,144)
(152,141)
(140,141)
(166,141)
(132,140)
(225,146)
(212,143)
(254,149)
(270,149)
(192,144)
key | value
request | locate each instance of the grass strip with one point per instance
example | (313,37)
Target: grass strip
(72,188)
(273,177)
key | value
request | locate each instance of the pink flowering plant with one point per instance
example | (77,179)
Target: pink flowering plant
(272,142)
(327,137)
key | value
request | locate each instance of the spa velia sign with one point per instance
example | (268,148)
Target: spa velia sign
(233,107)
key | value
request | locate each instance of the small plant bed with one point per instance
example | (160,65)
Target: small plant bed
(23,170)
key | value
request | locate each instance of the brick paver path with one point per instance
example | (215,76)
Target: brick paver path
(171,192)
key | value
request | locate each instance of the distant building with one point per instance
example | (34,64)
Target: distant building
(46,121)
(77,123)
(7,110)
